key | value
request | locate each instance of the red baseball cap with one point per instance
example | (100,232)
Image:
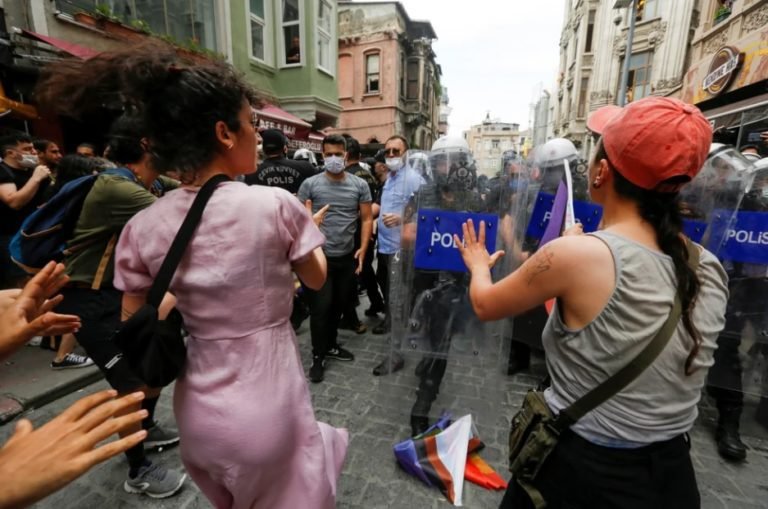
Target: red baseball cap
(601,117)
(658,138)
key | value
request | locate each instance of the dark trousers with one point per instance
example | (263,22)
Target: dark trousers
(382,275)
(329,302)
(443,315)
(748,303)
(582,475)
(368,278)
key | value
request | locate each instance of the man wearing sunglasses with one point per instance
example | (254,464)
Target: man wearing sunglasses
(398,188)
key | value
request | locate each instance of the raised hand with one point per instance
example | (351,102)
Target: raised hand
(36,463)
(472,248)
(31,313)
(318,216)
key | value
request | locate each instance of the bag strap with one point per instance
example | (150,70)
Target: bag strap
(99,277)
(180,242)
(629,373)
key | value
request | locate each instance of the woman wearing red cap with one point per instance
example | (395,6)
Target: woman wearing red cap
(615,289)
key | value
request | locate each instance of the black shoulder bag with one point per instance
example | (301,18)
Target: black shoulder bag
(154,348)
(535,430)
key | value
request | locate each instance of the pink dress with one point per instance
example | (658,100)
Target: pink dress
(249,437)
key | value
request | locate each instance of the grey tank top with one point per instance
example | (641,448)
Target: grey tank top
(661,403)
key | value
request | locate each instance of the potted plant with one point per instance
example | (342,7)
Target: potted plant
(86,18)
(723,11)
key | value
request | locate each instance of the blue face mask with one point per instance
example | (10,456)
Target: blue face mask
(334,164)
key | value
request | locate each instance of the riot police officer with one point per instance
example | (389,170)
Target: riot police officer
(540,183)
(747,303)
(437,301)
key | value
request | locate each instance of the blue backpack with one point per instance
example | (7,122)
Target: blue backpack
(44,234)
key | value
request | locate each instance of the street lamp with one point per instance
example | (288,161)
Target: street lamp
(623,4)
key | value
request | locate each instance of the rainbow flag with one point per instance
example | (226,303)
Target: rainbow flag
(439,456)
(479,472)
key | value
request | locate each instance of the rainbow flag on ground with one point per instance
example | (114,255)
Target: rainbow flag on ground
(445,455)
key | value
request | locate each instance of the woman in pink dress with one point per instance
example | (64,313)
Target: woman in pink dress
(249,437)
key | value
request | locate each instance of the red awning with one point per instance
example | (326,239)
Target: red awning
(293,127)
(67,47)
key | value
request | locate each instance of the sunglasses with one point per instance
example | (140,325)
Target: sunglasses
(392,152)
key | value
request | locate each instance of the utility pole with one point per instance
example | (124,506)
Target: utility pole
(632,4)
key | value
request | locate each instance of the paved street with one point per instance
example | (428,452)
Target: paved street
(377,418)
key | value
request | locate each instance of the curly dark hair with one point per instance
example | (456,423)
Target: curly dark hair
(73,166)
(124,145)
(178,103)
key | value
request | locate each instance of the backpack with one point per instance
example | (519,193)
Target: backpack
(44,234)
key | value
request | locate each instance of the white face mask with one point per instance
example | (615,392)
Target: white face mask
(29,161)
(765,193)
(334,164)
(394,163)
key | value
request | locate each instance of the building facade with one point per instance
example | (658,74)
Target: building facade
(489,140)
(389,80)
(286,49)
(593,46)
(728,75)
(443,125)
(542,119)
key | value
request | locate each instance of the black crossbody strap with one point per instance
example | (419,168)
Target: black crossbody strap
(180,242)
(629,373)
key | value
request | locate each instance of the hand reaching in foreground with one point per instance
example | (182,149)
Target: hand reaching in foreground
(31,314)
(36,463)
(319,216)
(576,229)
(472,248)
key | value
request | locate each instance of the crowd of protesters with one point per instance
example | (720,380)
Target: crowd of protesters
(321,227)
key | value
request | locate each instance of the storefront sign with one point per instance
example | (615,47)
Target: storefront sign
(722,70)
(313,145)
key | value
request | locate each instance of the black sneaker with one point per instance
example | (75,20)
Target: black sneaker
(317,371)
(72,361)
(340,354)
(159,437)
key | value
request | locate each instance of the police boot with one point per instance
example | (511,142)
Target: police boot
(420,411)
(729,443)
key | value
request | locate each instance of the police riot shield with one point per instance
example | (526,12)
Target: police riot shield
(450,359)
(555,180)
(418,160)
(728,208)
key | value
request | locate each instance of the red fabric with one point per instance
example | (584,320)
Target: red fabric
(657,138)
(68,47)
(479,472)
(601,117)
(292,126)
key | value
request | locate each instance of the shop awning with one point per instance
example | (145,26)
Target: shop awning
(68,47)
(293,127)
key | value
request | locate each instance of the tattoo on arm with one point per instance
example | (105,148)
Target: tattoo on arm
(540,263)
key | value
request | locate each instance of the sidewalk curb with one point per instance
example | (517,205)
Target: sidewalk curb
(12,406)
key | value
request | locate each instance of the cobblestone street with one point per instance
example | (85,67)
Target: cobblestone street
(377,417)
